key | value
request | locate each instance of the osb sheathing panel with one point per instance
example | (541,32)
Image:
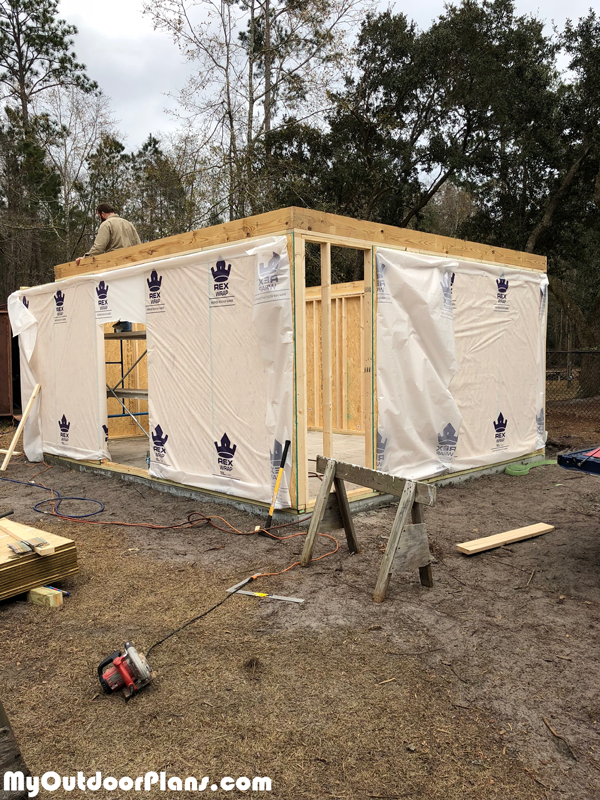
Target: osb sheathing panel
(138,379)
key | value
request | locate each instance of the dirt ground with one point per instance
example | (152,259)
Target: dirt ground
(572,423)
(485,686)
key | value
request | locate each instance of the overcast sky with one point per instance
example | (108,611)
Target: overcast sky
(137,66)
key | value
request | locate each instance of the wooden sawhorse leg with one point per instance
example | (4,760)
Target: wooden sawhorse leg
(404,510)
(425,572)
(329,478)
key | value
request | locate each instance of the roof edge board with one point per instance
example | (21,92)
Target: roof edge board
(286,220)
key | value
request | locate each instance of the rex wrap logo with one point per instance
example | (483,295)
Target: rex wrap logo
(221,294)
(102,304)
(159,441)
(502,294)
(64,428)
(60,313)
(500,433)
(447,441)
(271,279)
(447,284)
(381,445)
(225,453)
(155,304)
(25,302)
(383,294)
(105,431)
(267,275)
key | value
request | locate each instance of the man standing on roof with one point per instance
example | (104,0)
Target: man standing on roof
(113,233)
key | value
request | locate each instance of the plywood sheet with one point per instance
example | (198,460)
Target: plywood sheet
(19,574)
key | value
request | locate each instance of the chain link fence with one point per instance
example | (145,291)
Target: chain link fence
(573,394)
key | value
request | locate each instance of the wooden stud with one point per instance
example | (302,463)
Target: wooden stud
(344,371)
(317,515)
(338,365)
(326,361)
(13,444)
(300,453)
(404,509)
(316,344)
(362,372)
(347,521)
(349,300)
(368,360)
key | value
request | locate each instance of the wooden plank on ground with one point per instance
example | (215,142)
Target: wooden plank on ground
(508,537)
(379,481)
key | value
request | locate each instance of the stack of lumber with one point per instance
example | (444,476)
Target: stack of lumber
(19,574)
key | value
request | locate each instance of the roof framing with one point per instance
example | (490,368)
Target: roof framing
(315,226)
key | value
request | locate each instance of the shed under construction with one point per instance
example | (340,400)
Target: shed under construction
(432,366)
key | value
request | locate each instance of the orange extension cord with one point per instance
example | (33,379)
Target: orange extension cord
(196,517)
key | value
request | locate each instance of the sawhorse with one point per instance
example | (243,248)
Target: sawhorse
(407,547)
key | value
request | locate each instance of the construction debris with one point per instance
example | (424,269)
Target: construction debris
(44,596)
(490,542)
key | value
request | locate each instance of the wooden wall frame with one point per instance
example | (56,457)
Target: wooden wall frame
(302,225)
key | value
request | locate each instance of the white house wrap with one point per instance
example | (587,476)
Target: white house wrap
(220,363)
(435,363)
(460,368)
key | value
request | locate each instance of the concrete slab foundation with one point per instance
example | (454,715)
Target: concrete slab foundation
(132,467)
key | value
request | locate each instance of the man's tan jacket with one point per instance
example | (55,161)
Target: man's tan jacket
(114,233)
